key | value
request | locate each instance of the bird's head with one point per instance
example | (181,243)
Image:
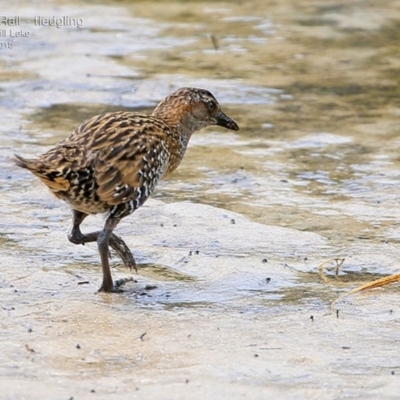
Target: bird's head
(193,109)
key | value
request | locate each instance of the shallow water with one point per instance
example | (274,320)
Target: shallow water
(229,247)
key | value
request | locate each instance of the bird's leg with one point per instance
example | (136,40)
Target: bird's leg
(116,243)
(103,241)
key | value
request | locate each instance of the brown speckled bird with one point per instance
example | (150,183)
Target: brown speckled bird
(112,162)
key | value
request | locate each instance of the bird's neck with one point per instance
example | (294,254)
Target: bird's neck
(179,119)
(181,125)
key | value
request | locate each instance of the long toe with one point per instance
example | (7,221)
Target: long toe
(116,288)
(129,261)
(113,289)
(123,251)
(121,282)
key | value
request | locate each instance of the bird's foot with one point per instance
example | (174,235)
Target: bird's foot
(113,289)
(123,252)
(76,237)
(116,287)
(120,282)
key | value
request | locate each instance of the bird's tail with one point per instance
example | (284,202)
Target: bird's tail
(51,177)
(22,162)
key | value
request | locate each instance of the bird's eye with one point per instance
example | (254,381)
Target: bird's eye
(210,106)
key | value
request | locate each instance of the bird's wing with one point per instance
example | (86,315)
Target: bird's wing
(132,163)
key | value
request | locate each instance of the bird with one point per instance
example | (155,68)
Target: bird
(112,162)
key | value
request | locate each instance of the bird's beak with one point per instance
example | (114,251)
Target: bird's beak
(226,122)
